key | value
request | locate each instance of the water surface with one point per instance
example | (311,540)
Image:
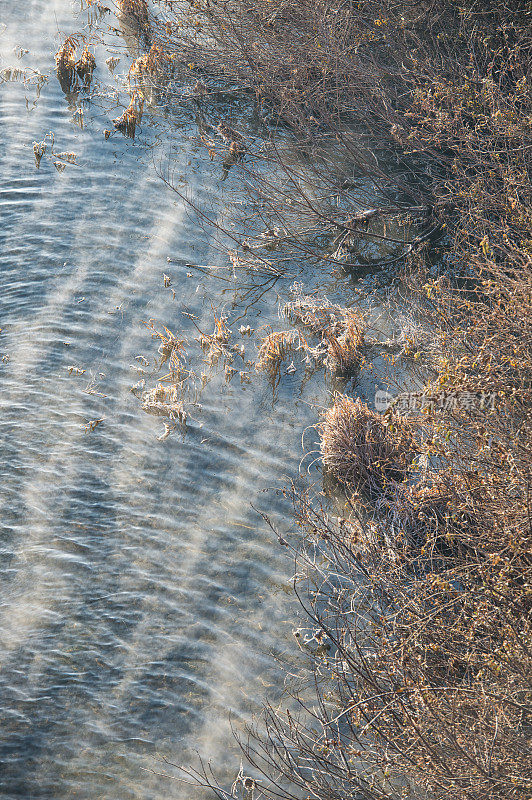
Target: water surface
(143,602)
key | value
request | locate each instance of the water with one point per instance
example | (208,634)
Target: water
(143,602)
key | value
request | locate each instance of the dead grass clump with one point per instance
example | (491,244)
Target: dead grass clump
(86,66)
(134,15)
(340,329)
(253,264)
(216,345)
(273,350)
(39,149)
(164,401)
(127,122)
(363,451)
(65,64)
(315,314)
(171,349)
(344,350)
(156,61)
(139,8)
(234,154)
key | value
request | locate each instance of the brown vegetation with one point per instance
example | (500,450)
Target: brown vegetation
(361,449)
(69,69)
(344,348)
(273,350)
(65,62)
(127,122)
(86,66)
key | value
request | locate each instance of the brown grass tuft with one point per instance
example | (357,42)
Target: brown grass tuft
(273,349)
(65,64)
(86,66)
(127,122)
(134,10)
(361,450)
(344,350)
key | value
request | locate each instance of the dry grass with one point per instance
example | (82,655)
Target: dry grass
(86,66)
(216,346)
(133,16)
(137,8)
(65,64)
(273,350)
(164,401)
(68,69)
(127,122)
(344,349)
(315,314)
(363,451)
(340,330)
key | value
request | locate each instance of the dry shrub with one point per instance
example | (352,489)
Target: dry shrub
(156,62)
(68,69)
(164,401)
(363,451)
(315,314)
(423,681)
(340,330)
(216,345)
(138,8)
(65,64)
(422,526)
(133,16)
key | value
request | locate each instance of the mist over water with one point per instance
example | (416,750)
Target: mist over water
(143,602)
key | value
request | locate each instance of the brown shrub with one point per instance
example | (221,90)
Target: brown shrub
(127,122)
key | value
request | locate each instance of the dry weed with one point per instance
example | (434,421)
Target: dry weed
(344,349)
(164,401)
(363,451)
(273,350)
(127,122)
(65,64)
(86,66)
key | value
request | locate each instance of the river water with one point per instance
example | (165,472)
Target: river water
(143,602)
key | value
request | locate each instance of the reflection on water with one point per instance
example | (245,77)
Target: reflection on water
(142,600)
